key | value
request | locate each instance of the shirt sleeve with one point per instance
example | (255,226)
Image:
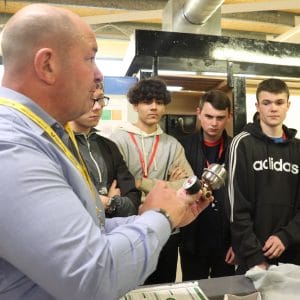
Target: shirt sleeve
(47,233)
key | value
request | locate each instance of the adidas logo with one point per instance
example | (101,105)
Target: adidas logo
(277,165)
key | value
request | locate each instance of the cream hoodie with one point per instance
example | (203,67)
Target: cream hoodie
(168,155)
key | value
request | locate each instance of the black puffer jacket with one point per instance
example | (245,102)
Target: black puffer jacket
(105,163)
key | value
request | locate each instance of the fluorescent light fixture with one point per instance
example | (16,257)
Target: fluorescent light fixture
(251,56)
(174,88)
(170,72)
(214,74)
(248,75)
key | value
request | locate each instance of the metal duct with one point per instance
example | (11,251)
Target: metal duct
(197,12)
(193,16)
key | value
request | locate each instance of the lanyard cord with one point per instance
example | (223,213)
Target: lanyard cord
(80,166)
(154,149)
(220,152)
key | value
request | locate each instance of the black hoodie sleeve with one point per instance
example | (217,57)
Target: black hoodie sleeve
(130,199)
(289,234)
(245,243)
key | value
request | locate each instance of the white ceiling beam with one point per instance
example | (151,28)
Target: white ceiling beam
(260,6)
(125,17)
(291,36)
(254,26)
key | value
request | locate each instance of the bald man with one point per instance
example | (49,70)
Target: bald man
(55,241)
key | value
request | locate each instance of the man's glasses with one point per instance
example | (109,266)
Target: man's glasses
(103,101)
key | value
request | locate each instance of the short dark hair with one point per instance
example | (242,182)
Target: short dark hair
(146,90)
(218,99)
(274,86)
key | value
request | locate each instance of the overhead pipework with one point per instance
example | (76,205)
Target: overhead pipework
(193,16)
(197,12)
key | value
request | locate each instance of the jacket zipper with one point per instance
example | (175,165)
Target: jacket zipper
(93,159)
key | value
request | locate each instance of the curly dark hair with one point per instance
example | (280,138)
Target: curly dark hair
(146,90)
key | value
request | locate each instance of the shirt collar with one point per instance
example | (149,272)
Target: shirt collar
(20,98)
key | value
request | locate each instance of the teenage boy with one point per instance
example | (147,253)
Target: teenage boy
(150,155)
(264,189)
(206,245)
(105,164)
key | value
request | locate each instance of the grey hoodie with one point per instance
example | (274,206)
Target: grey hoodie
(169,155)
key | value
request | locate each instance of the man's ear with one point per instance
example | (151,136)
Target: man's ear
(45,65)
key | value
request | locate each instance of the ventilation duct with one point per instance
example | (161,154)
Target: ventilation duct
(193,16)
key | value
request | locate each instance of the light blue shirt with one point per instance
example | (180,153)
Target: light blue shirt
(51,246)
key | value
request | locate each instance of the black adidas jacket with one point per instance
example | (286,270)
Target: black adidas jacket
(264,194)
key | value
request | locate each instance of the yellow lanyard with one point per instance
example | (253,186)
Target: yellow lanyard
(56,139)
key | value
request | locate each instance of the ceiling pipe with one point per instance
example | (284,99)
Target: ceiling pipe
(195,12)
